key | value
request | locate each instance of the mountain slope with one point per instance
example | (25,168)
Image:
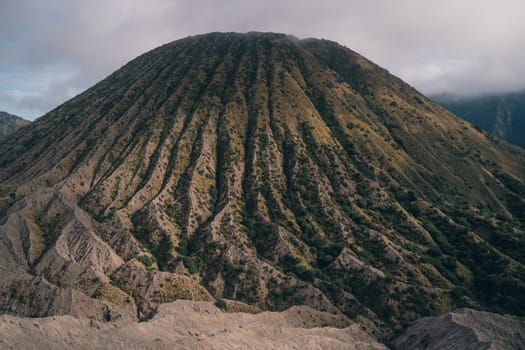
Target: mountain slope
(10,123)
(464,329)
(261,168)
(501,115)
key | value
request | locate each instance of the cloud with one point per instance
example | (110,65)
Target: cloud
(466,47)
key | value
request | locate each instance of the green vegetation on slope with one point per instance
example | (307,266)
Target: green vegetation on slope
(278,171)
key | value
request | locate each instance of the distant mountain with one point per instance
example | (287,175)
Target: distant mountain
(10,123)
(263,169)
(501,115)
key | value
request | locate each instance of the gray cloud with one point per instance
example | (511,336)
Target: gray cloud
(51,50)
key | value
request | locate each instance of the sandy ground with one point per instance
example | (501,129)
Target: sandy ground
(189,325)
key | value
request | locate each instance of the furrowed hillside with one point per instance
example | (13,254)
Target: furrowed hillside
(264,169)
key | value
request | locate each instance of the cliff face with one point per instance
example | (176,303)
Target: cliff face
(261,168)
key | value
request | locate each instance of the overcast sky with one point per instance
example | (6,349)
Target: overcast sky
(50,50)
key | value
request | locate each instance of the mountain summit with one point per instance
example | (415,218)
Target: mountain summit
(263,169)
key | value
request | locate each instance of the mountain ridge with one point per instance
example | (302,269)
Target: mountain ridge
(502,115)
(10,123)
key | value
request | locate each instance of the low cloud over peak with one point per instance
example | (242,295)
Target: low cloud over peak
(52,50)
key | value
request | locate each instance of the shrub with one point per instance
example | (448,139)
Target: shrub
(220,303)
(190,264)
(145,260)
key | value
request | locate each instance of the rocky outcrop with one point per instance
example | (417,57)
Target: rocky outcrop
(464,329)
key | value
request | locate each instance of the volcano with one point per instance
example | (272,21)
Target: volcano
(261,171)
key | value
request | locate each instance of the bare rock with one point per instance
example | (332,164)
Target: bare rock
(191,325)
(464,329)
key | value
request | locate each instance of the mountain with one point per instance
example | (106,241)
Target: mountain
(464,329)
(502,115)
(10,123)
(263,169)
